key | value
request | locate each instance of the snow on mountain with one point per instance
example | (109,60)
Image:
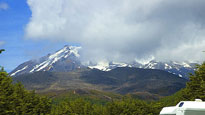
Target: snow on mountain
(102,65)
(63,53)
(181,69)
(68,59)
(19,71)
(68,56)
(107,66)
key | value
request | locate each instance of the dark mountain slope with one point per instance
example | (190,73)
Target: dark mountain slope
(120,80)
(128,80)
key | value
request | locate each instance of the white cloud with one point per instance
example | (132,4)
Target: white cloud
(2,43)
(4,6)
(123,29)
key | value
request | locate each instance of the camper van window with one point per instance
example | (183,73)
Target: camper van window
(181,104)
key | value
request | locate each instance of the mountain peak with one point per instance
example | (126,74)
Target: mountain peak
(67,56)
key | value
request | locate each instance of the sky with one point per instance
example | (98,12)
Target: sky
(111,30)
(14,16)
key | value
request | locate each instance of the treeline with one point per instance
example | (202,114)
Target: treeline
(14,99)
(120,107)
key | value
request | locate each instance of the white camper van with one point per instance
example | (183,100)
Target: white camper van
(196,107)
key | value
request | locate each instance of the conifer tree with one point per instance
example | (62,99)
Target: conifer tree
(15,100)
(196,87)
(1,50)
(6,93)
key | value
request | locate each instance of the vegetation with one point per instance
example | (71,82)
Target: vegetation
(196,87)
(14,99)
(1,50)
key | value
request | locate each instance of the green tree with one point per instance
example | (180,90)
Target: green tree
(6,94)
(75,107)
(129,107)
(195,88)
(1,50)
(14,99)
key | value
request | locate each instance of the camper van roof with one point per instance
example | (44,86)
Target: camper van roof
(168,110)
(191,104)
(197,105)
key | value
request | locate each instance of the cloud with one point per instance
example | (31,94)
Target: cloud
(123,30)
(2,43)
(4,6)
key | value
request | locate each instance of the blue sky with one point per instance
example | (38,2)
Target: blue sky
(19,49)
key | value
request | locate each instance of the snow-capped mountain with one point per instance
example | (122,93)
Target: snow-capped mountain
(181,69)
(68,59)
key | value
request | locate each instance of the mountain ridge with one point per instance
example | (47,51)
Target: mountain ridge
(68,59)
